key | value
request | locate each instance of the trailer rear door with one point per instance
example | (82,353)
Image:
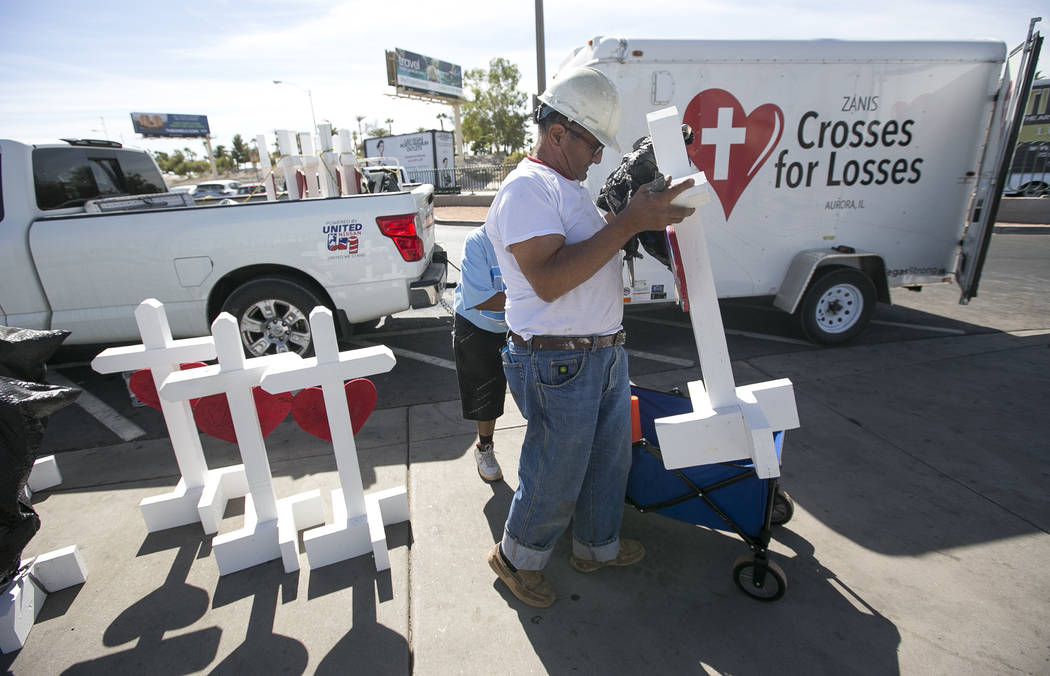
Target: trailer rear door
(995,164)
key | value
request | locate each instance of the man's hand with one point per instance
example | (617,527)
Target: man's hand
(650,208)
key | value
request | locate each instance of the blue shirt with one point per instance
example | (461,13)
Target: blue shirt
(480,279)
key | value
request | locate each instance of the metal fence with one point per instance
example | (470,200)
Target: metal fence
(463,179)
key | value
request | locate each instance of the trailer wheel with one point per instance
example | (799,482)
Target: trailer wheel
(762,580)
(272,315)
(783,507)
(837,306)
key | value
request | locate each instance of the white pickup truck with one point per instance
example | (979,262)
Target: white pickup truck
(88,230)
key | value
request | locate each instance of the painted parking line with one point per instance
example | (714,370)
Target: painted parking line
(99,410)
(921,327)
(409,354)
(651,356)
(445,363)
(730,332)
(406,332)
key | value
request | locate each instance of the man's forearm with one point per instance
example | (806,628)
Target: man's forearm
(555,268)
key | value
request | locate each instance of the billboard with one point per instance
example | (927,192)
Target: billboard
(424,74)
(427,156)
(167,124)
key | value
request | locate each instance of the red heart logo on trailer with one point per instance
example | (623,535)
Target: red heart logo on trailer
(212,413)
(729,146)
(145,390)
(309,411)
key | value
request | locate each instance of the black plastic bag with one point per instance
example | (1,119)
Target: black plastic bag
(637,168)
(24,407)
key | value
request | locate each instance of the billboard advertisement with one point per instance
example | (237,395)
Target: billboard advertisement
(427,156)
(422,73)
(168,124)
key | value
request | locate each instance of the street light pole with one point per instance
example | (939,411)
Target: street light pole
(309,95)
(541,54)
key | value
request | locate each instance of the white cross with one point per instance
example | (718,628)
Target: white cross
(268,532)
(359,519)
(727,422)
(163,355)
(723,138)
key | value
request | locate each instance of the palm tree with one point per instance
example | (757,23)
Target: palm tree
(359,132)
(442,117)
(390,124)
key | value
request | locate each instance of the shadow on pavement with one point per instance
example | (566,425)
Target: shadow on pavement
(609,621)
(172,606)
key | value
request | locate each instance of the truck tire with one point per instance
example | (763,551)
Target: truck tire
(837,306)
(273,315)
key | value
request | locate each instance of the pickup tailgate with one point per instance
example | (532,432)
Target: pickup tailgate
(427,289)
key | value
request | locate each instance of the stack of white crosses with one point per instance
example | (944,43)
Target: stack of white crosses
(271,525)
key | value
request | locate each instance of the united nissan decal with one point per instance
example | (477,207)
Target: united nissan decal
(731,146)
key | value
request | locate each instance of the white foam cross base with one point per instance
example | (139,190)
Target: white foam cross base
(45,474)
(260,538)
(164,355)
(727,422)
(358,519)
(25,595)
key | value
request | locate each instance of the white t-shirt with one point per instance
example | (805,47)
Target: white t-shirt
(536,200)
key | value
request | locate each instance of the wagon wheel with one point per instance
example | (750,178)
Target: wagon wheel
(783,508)
(762,580)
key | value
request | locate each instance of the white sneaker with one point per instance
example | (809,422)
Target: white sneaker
(488,468)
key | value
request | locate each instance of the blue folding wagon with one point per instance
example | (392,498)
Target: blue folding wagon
(727,496)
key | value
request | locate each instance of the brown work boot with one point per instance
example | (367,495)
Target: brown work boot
(631,552)
(528,585)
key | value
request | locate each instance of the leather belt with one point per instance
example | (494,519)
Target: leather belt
(570,342)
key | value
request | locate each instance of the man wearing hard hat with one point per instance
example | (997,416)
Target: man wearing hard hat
(565,362)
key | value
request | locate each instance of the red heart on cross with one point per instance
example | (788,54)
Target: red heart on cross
(145,390)
(309,411)
(212,413)
(730,147)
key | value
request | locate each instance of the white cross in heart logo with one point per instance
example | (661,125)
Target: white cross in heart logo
(731,147)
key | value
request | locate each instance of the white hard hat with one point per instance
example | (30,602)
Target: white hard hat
(588,98)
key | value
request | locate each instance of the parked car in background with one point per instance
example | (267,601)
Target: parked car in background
(215,191)
(252,192)
(1032,184)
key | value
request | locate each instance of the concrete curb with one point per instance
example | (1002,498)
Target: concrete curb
(1021,229)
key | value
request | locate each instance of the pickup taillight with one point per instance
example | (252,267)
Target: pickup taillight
(402,229)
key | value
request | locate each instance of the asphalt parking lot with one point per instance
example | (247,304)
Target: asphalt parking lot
(918,476)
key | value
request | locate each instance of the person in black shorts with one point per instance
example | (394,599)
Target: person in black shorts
(478,335)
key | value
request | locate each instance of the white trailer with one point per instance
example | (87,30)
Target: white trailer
(840,169)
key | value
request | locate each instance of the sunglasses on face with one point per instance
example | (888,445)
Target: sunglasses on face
(596,146)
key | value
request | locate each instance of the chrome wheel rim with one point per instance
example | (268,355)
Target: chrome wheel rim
(271,326)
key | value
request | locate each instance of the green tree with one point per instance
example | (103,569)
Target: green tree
(494,120)
(240,152)
(375,131)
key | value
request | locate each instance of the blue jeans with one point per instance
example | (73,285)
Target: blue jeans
(576,454)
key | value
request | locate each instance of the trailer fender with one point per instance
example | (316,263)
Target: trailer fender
(806,263)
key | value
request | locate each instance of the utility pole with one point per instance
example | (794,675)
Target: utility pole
(541,60)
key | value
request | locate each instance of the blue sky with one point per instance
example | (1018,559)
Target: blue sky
(72,68)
